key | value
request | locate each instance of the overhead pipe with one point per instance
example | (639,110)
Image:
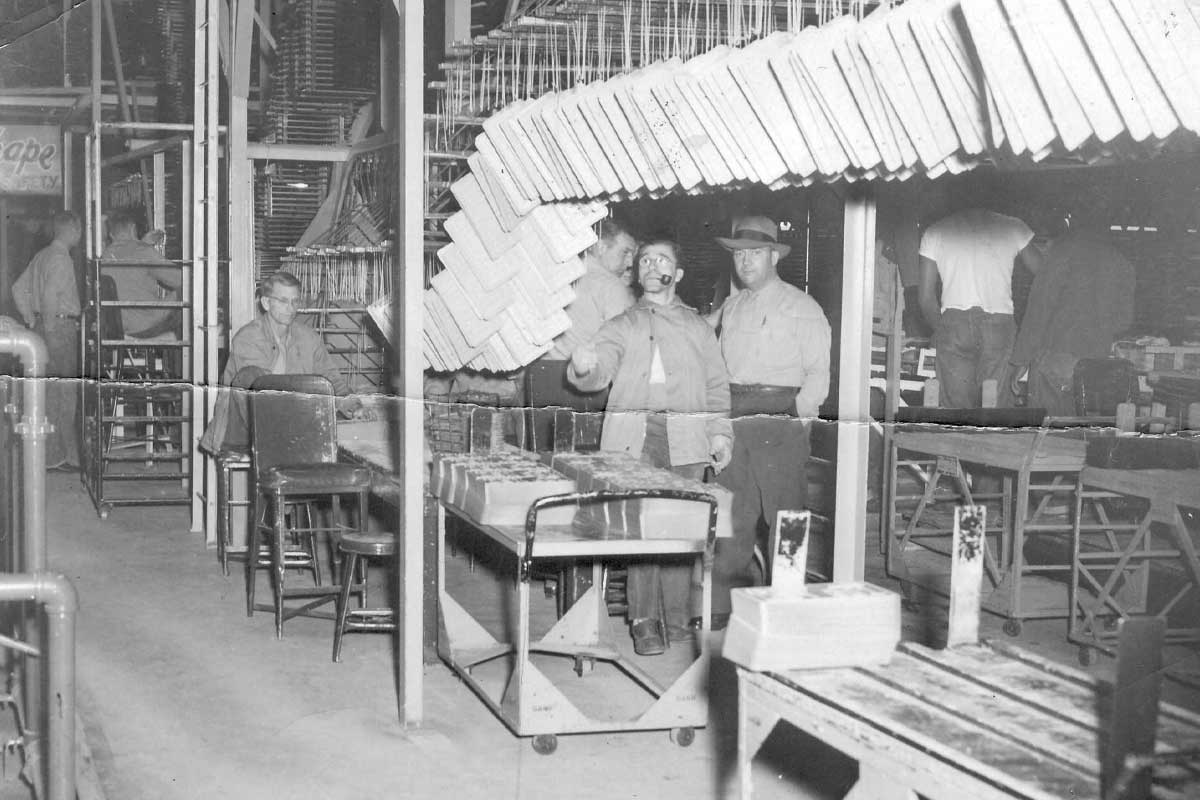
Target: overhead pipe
(57,597)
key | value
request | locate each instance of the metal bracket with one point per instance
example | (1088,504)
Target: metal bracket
(31,427)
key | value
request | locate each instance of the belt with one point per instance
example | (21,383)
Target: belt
(752,399)
(763,388)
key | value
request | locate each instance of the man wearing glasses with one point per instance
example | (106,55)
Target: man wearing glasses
(273,343)
(669,405)
(776,342)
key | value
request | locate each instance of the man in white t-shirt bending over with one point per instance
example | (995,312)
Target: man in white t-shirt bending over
(972,253)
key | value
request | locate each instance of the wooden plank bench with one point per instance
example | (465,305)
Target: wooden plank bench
(982,721)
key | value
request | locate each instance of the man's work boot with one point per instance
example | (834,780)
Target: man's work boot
(647,637)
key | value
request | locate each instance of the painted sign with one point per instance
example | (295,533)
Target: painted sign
(30,159)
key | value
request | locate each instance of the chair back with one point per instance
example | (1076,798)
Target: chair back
(111,326)
(293,421)
(1101,384)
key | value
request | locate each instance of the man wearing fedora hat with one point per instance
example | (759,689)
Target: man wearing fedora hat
(775,340)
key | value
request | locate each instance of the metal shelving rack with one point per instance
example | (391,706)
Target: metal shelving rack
(137,403)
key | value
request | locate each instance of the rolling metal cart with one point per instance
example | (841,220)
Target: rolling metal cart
(542,699)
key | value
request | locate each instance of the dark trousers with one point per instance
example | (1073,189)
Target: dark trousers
(62,396)
(766,475)
(972,346)
(662,588)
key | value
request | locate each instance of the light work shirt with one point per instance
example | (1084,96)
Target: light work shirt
(777,335)
(974,251)
(47,286)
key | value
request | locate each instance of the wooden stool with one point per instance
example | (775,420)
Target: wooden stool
(229,460)
(359,547)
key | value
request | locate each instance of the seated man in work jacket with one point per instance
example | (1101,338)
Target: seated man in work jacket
(276,343)
(669,405)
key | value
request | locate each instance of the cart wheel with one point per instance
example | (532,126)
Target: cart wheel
(104,511)
(1087,656)
(545,743)
(1012,627)
(683,736)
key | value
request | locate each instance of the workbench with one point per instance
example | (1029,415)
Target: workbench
(984,722)
(1037,472)
(1110,572)
(543,699)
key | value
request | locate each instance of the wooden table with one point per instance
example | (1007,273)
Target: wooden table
(1111,577)
(1037,472)
(528,697)
(983,722)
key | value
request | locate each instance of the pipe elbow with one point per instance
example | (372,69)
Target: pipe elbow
(56,593)
(25,345)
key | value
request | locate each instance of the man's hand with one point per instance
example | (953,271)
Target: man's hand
(585,359)
(720,448)
(1019,371)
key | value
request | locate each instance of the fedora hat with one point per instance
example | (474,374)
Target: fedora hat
(752,232)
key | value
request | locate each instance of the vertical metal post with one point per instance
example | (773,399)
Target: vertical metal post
(158,213)
(408,316)
(204,250)
(854,394)
(6,278)
(68,170)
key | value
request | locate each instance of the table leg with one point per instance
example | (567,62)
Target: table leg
(1017,567)
(755,723)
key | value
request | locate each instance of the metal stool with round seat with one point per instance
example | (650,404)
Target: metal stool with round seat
(356,549)
(293,421)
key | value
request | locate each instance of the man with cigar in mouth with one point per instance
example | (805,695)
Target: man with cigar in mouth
(669,405)
(775,340)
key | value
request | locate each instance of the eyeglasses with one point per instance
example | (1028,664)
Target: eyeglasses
(292,302)
(656,260)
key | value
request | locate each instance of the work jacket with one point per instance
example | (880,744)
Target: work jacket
(697,385)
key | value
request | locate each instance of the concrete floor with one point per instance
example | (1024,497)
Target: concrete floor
(183,696)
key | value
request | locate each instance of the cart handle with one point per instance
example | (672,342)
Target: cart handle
(581,498)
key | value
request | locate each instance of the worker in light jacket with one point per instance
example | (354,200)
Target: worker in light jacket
(669,405)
